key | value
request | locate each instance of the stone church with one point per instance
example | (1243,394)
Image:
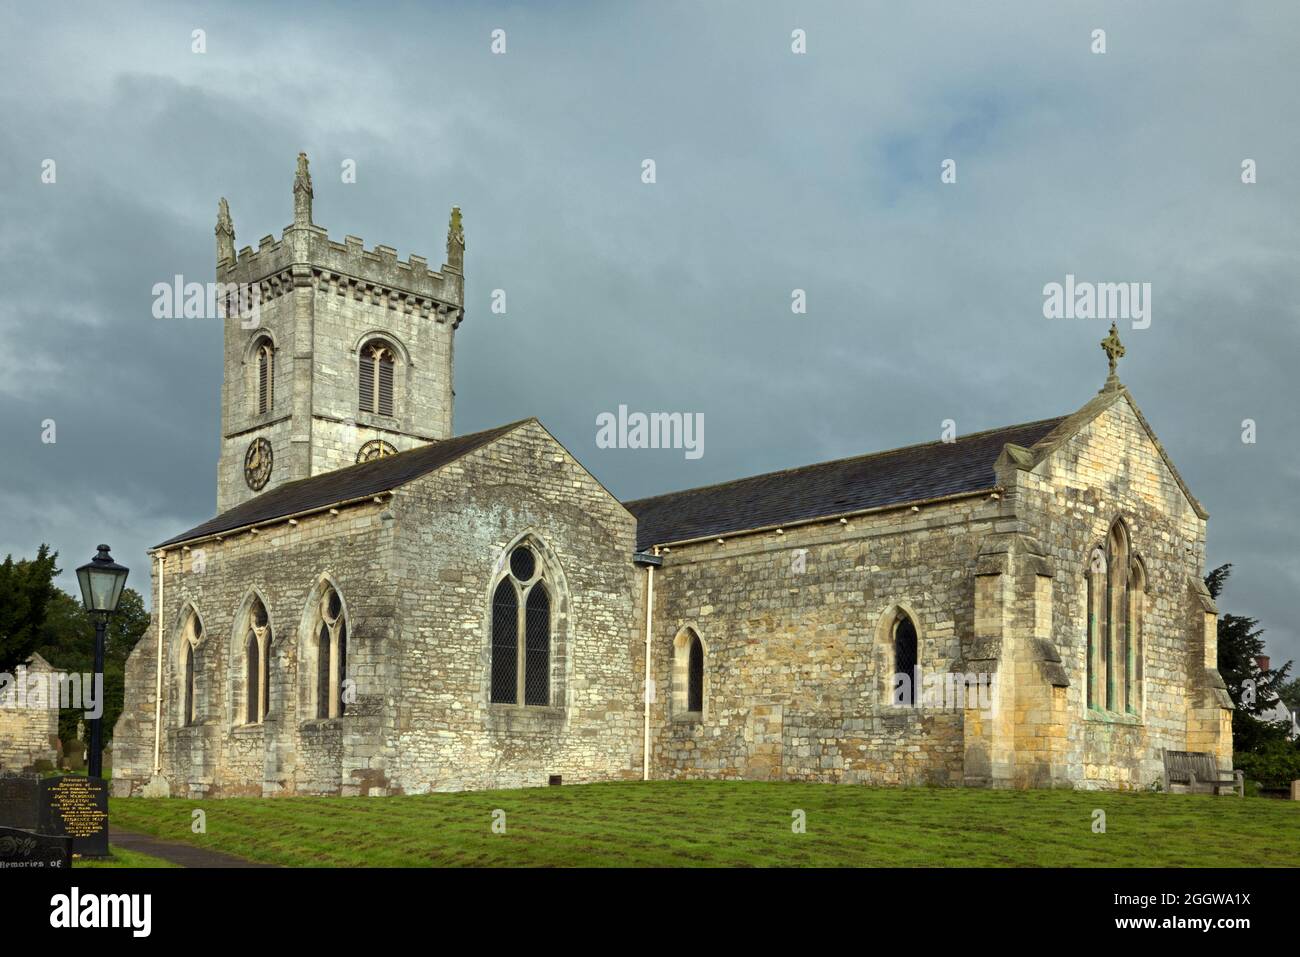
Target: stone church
(381,606)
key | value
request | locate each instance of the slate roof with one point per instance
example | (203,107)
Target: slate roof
(345,484)
(912,474)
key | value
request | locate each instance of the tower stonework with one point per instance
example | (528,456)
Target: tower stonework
(319,305)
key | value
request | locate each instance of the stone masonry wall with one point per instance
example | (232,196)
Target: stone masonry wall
(456,528)
(29,726)
(291,751)
(1111,469)
(798,663)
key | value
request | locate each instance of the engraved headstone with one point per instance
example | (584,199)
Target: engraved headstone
(76,807)
(23,849)
(19,800)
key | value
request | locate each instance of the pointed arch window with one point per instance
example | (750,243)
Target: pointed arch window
(905,661)
(375,377)
(688,676)
(265,376)
(331,649)
(191,635)
(1116,585)
(257,661)
(521,633)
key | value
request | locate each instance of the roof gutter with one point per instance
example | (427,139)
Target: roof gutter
(275,521)
(840,516)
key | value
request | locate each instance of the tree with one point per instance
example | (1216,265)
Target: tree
(26,587)
(1251,688)
(68,644)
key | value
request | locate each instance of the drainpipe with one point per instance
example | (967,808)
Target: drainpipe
(157,686)
(650,562)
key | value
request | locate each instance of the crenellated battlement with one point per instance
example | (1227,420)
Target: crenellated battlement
(347,265)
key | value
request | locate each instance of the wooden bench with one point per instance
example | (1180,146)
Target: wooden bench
(1197,772)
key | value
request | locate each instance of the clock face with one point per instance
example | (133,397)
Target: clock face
(257,464)
(374,449)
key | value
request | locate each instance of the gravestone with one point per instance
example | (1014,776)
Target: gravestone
(19,800)
(1295,790)
(23,849)
(76,807)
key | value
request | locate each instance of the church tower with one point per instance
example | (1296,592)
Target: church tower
(334,354)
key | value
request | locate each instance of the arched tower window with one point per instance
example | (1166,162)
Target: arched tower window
(906,691)
(375,377)
(265,376)
(521,632)
(331,650)
(257,661)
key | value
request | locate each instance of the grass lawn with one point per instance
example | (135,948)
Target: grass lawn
(117,857)
(714,823)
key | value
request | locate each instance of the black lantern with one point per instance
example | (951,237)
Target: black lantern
(102,581)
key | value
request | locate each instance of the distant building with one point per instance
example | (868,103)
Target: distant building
(29,720)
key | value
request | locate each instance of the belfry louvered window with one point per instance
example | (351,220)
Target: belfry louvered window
(375,378)
(521,633)
(265,376)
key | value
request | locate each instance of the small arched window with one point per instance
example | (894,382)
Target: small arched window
(521,633)
(688,676)
(695,678)
(331,656)
(265,376)
(375,377)
(257,660)
(906,673)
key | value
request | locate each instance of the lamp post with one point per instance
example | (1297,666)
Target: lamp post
(102,581)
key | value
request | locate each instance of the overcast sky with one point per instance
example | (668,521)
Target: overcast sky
(775,171)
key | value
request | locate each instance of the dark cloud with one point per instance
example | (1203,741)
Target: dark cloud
(775,172)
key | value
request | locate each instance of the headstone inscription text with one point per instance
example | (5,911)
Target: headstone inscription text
(77,806)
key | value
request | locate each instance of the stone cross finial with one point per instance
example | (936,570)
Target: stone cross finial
(455,241)
(1114,350)
(302,193)
(225,233)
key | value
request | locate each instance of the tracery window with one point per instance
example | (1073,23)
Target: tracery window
(521,632)
(331,652)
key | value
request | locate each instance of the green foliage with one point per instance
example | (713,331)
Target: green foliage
(1274,761)
(68,643)
(1290,695)
(26,587)
(1260,748)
